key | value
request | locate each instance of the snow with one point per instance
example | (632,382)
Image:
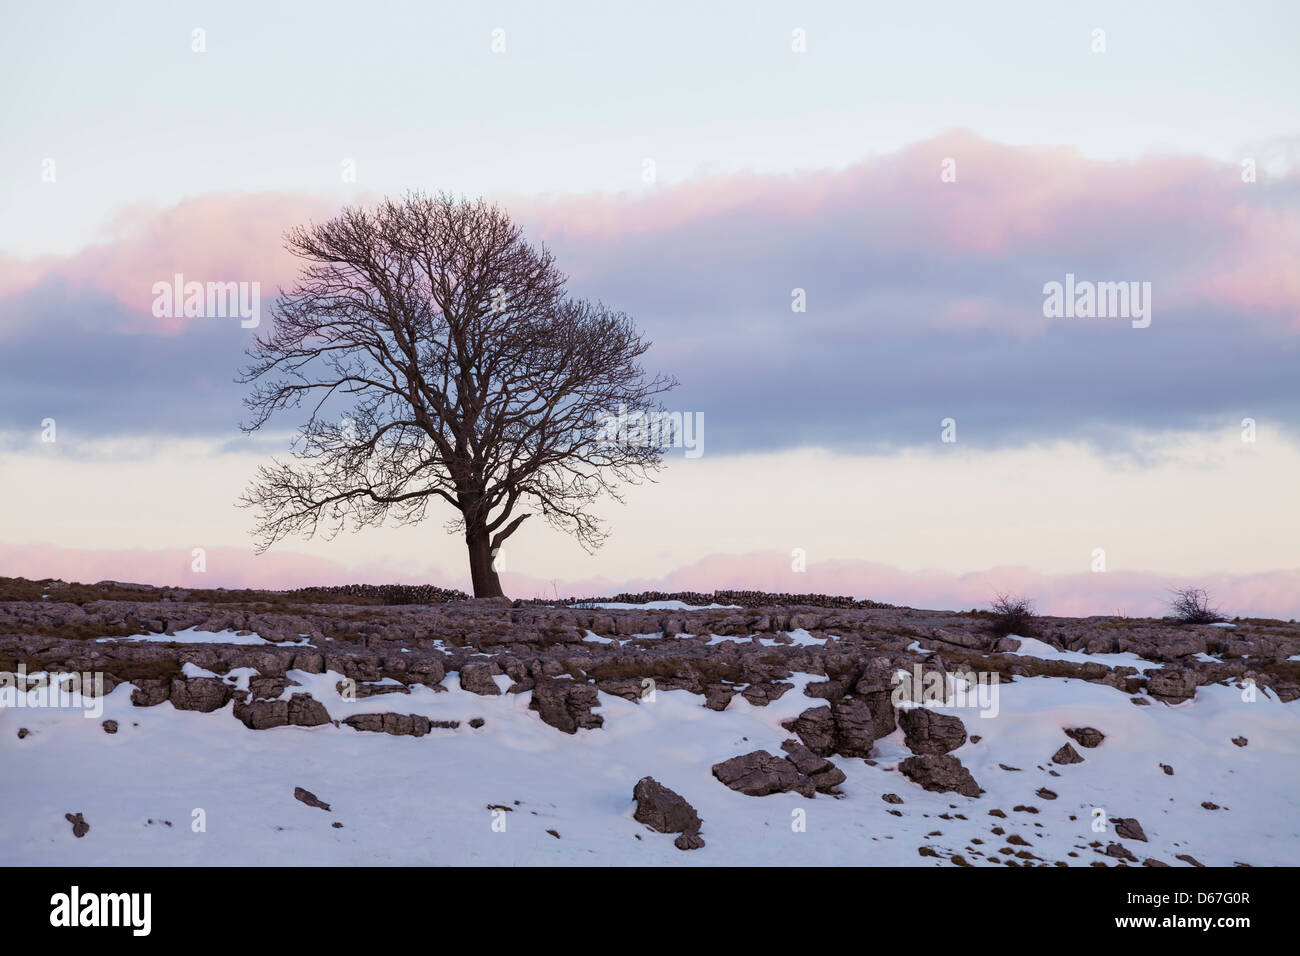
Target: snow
(414,801)
(662,606)
(192,636)
(1032,647)
(800,638)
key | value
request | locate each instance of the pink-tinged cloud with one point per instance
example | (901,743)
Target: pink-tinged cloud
(1189,225)
(1134,593)
(211,238)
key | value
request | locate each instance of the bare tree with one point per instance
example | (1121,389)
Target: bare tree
(440,357)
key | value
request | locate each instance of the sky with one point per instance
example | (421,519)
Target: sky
(835,222)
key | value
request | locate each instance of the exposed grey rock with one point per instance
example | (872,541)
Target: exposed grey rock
(718,696)
(566,705)
(663,809)
(477,679)
(309,798)
(1172,684)
(941,773)
(150,693)
(1066,755)
(690,840)
(846,728)
(204,694)
(759,773)
(927,732)
(762,694)
(306,711)
(816,728)
(1085,736)
(1119,851)
(1128,828)
(262,714)
(855,729)
(397,725)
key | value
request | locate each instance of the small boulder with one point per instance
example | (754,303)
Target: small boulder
(262,714)
(477,679)
(718,696)
(763,693)
(926,732)
(204,694)
(816,728)
(826,777)
(940,773)
(759,773)
(309,798)
(662,809)
(1127,828)
(566,705)
(1066,754)
(691,840)
(1088,737)
(305,711)
(1120,852)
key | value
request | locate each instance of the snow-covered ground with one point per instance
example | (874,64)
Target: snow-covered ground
(405,800)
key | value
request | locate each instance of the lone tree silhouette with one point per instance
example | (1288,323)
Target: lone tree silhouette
(441,358)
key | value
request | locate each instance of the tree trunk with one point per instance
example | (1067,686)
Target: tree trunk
(486,582)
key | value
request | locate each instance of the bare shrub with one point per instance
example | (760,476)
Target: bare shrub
(1192,606)
(1012,614)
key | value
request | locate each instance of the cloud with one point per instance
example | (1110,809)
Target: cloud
(217,237)
(924,300)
